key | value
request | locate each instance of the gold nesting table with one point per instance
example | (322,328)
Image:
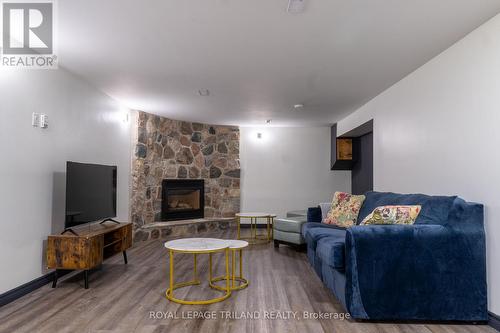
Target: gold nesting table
(254,217)
(210,246)
(238,282)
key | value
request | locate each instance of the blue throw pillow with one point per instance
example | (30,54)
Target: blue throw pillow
(314,214)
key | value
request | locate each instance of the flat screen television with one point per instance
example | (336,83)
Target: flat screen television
(90,193)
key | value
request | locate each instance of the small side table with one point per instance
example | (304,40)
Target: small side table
(253,217)
(234,246)
(197,246)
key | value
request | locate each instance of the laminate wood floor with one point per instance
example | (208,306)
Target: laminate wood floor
(122,297)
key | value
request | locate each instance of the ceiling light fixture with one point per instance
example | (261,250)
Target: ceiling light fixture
(298,107)
(204,92)
(296,6)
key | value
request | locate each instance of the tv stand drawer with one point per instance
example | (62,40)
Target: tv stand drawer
(74,252)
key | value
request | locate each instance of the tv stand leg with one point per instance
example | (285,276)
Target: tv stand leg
(125,257)
(86,277)
(54,282)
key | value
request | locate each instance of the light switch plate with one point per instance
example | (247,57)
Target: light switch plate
(44,120)
(35,119)
(296,6)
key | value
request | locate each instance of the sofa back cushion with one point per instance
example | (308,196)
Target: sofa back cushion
(314,214)
(325,208)
(435,209)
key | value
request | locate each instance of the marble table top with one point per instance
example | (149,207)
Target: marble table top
(237,244)
(255,215)
(204,244)
(197,244)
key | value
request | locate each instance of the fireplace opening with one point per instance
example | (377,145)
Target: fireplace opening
(182,199)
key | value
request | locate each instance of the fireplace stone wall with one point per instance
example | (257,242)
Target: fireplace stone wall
(167,148)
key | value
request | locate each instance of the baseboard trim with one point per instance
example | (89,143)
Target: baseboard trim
(12,295)
(494,321)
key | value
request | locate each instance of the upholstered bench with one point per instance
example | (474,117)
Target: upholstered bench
(288,231)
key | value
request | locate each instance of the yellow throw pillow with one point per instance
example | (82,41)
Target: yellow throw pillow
(393,215)
(345,209)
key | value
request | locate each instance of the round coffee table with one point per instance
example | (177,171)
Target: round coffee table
(197,246)
(234,246)
(254,237)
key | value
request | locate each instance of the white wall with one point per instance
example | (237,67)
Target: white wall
(84,125)
(288,169)
(438,132)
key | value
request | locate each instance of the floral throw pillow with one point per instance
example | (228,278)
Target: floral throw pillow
(393,215)
(345,209)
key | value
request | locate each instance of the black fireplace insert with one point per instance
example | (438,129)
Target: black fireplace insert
(182,199)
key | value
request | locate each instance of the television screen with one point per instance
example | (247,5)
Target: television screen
(90,193)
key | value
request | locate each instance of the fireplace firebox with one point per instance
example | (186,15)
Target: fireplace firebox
(182,199)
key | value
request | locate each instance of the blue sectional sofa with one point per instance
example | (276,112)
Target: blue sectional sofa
(432,270)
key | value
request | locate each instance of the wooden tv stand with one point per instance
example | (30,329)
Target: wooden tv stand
(89,248)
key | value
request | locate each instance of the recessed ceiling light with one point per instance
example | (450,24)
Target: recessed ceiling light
(296,6)
(204,92)
(298,106)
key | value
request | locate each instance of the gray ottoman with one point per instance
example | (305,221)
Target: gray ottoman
(288,231)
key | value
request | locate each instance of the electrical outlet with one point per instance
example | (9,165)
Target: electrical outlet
(35,119)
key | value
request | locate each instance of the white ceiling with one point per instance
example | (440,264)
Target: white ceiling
(255,58)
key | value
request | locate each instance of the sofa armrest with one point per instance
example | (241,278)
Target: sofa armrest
(415,272)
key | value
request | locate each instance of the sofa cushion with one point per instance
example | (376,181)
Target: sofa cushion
(313,232)
(331,251)
(435,209)
(291,224)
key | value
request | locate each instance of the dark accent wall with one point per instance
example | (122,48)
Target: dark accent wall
(333,146)
(362,170)
(361,165)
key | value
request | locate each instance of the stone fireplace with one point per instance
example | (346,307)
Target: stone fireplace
(167,149)
(182,199)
